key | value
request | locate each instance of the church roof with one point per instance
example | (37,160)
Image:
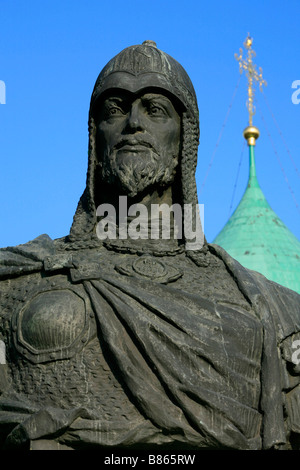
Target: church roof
(257,238)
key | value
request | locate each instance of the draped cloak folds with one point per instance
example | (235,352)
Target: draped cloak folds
(201,374)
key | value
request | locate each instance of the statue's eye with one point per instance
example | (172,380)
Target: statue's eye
(156,110)
(113,111)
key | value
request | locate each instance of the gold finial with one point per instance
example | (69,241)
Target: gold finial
(253,77)
(251,134)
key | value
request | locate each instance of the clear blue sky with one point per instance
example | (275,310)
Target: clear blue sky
(51,53)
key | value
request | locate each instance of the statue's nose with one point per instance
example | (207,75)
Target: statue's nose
(134,120)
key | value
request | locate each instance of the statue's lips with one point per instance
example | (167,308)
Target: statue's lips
(133,146)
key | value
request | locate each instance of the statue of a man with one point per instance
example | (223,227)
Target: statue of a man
(139,341)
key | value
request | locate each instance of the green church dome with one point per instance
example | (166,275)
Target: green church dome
(257,238)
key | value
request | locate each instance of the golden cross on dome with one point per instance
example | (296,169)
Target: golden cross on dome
(252,75)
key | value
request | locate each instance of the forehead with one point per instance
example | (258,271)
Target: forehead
(136,83)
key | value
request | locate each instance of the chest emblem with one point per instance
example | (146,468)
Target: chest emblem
(53,324)
(148,267)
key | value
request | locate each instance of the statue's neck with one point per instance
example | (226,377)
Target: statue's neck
(153,198)
(146,220)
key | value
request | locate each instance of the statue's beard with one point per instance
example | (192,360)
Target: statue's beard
(134,173)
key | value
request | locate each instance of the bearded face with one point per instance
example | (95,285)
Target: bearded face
(138,140)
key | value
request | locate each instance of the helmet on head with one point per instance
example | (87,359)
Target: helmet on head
(144,66)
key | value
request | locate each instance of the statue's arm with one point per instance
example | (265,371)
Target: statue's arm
(290,354)
(285,305)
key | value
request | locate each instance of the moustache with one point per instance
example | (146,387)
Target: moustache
(134,143)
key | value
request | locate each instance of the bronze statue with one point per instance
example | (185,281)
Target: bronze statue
(143,342)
